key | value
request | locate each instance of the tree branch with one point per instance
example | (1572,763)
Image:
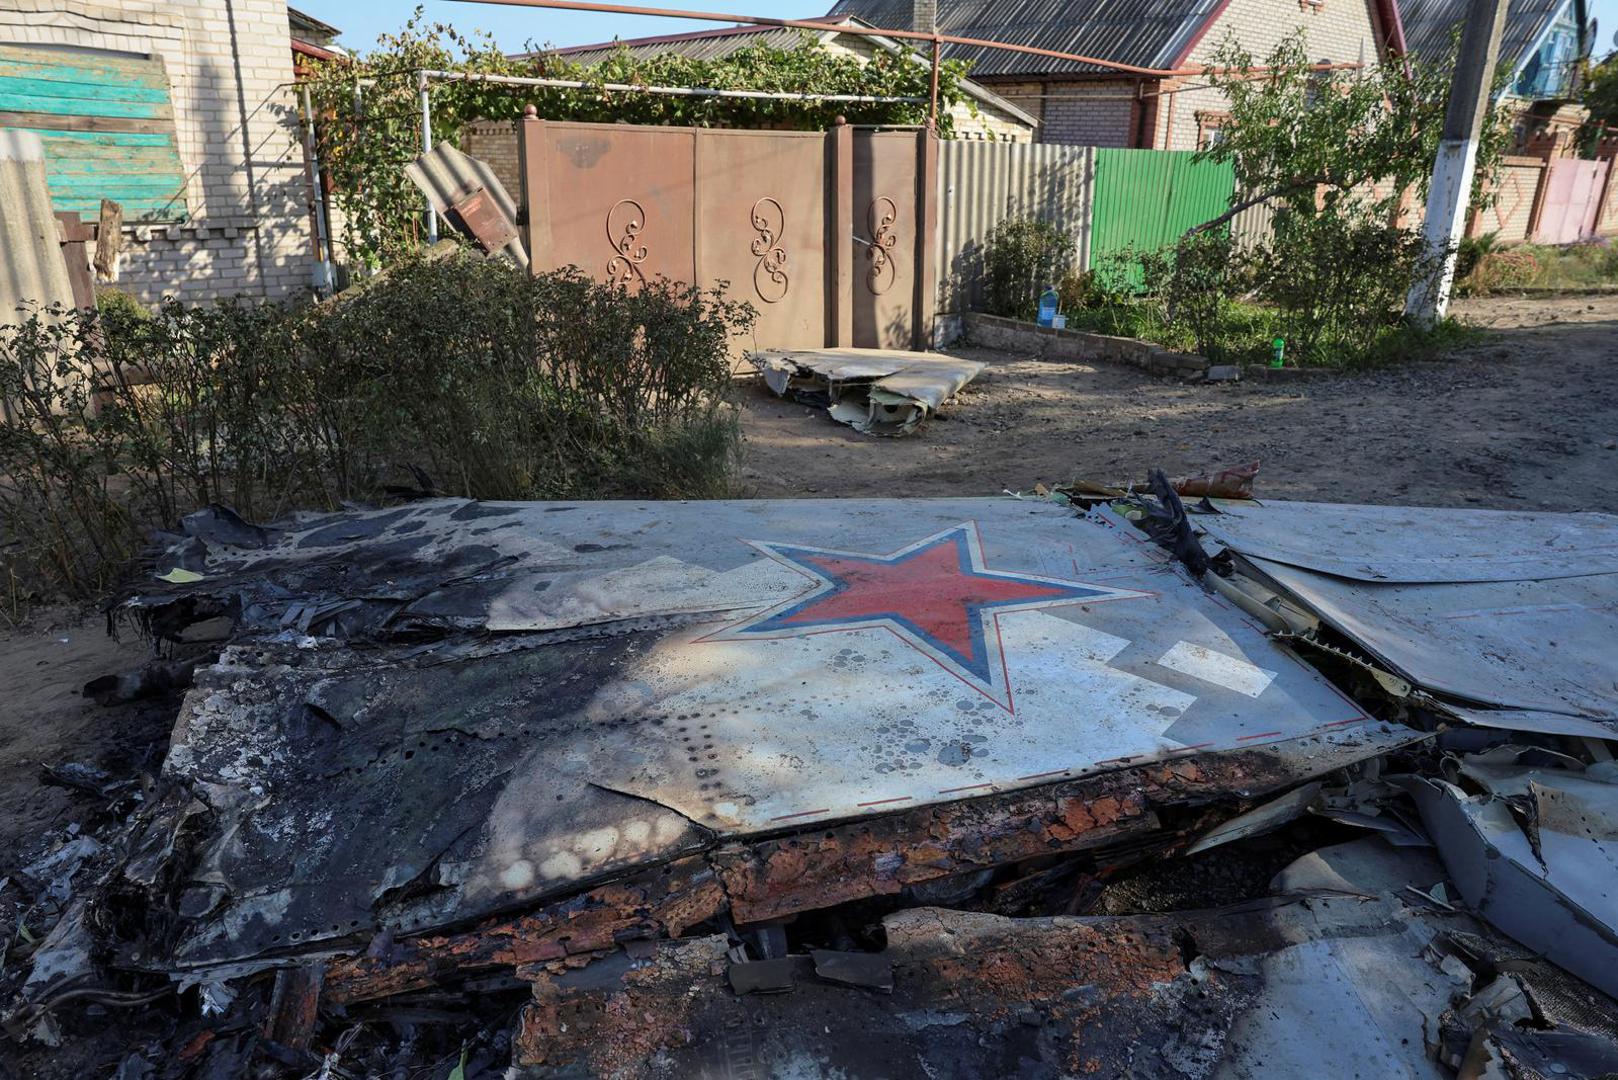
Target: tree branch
(1299,184)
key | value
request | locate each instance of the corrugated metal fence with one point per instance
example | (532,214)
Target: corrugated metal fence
(1109,200)
(1147,199)
(983,183)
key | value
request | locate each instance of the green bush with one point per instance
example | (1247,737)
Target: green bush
(466,371)
(1021,258)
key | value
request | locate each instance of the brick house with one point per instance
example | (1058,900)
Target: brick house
(183,112)
(1089,105)
(984,115)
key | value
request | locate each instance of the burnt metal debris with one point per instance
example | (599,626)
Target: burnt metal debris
(874,391)
(872,788)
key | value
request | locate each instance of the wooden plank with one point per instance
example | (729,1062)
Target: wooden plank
(108,138)
(109,238)
(60,122)
(77,90)
(113,185)
(101,64)
(77,158)
(94,107)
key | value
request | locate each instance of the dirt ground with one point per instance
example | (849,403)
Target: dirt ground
(1526,420)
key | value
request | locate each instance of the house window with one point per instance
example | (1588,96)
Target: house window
(1549,72)
(107,125)
(1211,128)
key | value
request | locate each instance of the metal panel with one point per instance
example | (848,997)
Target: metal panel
(735,667)
(447,176)
(982,184)
(761,205)
(1572,199)
(1147,199)
(1378,543)
(884,231)
(622,201)
(106,124)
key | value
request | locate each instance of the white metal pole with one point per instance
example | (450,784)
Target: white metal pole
(427,148)
(322,227)
(1450,194)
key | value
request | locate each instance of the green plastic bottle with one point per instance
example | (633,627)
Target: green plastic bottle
(1279,357)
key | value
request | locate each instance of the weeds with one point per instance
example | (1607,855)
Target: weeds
(1485,267)
(465,371)
(1022,257)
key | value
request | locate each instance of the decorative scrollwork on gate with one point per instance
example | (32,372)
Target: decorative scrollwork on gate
(770,272)
(884,270)
(625,222)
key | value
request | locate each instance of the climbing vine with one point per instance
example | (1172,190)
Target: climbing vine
(370,118)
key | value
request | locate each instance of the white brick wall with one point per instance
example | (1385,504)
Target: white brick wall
(249,229)
(1337,31)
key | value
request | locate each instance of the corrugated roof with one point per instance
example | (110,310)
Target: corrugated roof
(1144,33)
(1429,23)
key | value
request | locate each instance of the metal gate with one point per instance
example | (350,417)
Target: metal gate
(829,235)
(1147,199)
(1571,200)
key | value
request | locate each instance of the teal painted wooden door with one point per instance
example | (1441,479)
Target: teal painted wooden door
(1147,199)
(107,124)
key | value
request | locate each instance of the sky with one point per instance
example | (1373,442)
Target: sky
(513,27)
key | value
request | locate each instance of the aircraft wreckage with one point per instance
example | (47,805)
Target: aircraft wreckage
(832,789)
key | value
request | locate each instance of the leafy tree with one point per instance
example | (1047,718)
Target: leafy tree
(1601,93)
(1312,141)
(371,122)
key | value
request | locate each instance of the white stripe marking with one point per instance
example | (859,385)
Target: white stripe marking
(1231,672)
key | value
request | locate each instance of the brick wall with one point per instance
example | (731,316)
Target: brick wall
(249,231)
(1516,183)
(1089,113)
(495,142)
(1338,31)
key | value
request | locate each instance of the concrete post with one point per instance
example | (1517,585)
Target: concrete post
(1451,189)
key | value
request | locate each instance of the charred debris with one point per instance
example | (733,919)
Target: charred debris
(1152,780)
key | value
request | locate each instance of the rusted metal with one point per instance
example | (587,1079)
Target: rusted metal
(776,878)
(295,1006)
(872,31)
(479,214)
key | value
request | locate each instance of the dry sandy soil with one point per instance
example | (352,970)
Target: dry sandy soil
(1528,419)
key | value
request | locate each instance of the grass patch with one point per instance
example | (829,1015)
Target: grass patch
(1247,334)
(1485,267)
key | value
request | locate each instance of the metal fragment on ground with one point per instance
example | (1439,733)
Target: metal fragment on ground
(1509,616)
(669,677)
(1535,851)
(874,391)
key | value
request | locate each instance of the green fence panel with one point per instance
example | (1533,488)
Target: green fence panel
(1147,199)
(107,125)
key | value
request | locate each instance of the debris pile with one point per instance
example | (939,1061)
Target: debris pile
(874,391)
(1110,782)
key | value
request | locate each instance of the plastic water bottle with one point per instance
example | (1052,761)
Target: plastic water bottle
(1047,306)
